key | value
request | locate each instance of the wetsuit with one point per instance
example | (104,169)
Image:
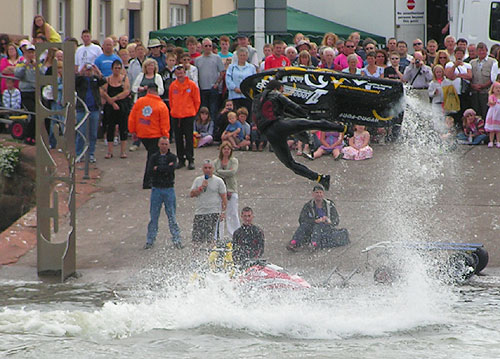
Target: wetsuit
(269,114)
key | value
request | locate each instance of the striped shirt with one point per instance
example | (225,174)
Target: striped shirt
(12,99)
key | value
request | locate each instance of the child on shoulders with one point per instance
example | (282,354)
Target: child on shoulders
(358,148)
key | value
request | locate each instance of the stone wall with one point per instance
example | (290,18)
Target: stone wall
(18,193)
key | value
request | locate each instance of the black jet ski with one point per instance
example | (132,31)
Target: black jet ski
(336,95)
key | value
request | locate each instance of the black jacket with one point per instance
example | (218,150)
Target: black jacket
(163,176)
(308,214)
(271,106)
(81,85)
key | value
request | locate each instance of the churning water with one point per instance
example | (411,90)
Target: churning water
(168,315)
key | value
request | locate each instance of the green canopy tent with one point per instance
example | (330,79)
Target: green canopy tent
(311,26)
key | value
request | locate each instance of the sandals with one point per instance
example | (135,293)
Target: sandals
(123,155)
(108,156)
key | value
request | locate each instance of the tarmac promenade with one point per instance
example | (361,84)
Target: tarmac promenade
(461,203)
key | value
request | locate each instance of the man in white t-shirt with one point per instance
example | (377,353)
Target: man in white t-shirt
(211,203)
(86,53)
(460,73)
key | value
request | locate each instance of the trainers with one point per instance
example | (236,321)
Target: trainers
(178,245)
(181,164)
(148,246)
(498,144)
(191,166)
(308,156)
(92,159)
(324,180)
(133,148)
(490,144)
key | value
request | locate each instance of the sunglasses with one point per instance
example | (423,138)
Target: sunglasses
(394,58)
(417,44)
(207,45)
(442,57)
(349,45)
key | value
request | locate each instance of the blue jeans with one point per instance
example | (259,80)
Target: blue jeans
(475,141)
(160,196)
(93,119)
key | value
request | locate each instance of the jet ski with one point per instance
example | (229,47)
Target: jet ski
(253,273)
(270,276)
(328,94)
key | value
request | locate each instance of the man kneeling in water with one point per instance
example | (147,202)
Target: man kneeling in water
(269,110)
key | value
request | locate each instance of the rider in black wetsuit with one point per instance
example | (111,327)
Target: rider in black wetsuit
(269,114)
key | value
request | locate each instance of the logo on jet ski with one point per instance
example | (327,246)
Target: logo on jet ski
(311,97)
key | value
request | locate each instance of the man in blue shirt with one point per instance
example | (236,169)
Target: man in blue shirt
(104,61)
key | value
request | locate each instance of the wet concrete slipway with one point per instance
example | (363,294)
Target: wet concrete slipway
(129,302)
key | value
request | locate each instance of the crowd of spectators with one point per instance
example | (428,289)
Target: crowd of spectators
(201,87)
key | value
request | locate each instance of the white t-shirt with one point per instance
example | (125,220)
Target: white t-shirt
(209,201)
(87,54)
(462,69)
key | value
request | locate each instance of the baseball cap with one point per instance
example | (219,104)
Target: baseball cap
(30,47)
(303,42)
(24,42)
(241,35)
(154,43)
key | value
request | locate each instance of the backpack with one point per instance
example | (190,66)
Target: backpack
(451,102)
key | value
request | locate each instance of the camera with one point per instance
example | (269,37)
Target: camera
(88,66)
(417,61)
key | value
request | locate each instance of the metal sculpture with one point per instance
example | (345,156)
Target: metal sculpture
(56,258)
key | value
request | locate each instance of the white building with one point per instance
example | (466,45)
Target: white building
(134,18)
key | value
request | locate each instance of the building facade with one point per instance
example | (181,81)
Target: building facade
(135,18)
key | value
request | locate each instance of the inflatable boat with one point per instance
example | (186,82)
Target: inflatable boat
(336,95)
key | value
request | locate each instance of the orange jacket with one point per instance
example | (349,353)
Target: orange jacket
(149,117)
(184,99)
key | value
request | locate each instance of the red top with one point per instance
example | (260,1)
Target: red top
(272,62)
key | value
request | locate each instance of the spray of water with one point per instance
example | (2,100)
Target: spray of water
(168,298)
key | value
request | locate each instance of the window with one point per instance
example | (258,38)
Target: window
(178,15)
(40,7)
(61,19)
(104,19)
(495,21)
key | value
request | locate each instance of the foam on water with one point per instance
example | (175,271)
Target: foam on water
(315,314)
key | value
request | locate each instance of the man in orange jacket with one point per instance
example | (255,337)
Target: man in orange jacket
(184,97)
(149,120)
